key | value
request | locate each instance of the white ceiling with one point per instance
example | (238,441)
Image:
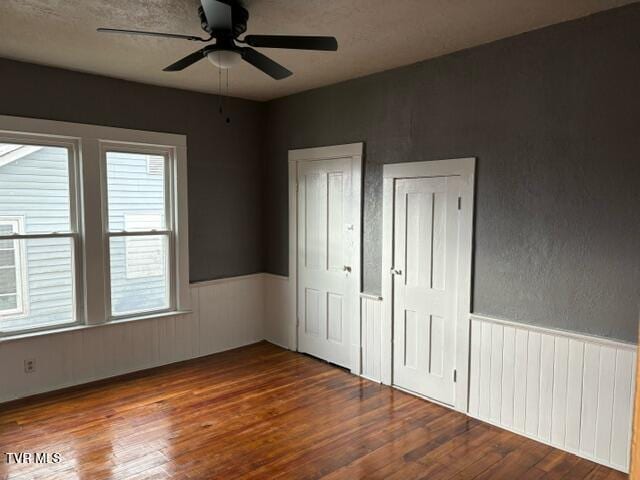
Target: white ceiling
(373,35)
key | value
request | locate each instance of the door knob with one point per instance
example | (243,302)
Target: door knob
(395,271)
(347,268)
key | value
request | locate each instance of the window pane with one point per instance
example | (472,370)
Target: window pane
(8,302)
(44,285)
(34,188)
(139,280)
(7,280)
(7,257)
(135,184)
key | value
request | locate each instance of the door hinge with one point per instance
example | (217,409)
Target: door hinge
(455,375)
(459,203)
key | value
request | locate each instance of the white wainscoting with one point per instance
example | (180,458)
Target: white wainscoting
(371,317)
(279,325)
(226,314)
(571,391)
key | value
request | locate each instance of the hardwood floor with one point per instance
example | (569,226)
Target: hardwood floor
(260,412)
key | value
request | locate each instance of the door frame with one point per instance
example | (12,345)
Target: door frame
(465,169)
(355,152)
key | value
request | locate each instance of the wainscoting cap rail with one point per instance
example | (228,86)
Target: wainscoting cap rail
(372,296)
(555,331)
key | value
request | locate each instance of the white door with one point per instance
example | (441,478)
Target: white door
(327,287)
(425,258)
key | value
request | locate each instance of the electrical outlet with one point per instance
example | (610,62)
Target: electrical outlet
(29,365)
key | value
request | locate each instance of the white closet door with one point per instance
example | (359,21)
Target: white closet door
(325,254)
(425,286)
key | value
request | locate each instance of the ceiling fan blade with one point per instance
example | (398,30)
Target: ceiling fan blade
(261,62)
(293,42)
(186,61)
(218,15)
(192,38)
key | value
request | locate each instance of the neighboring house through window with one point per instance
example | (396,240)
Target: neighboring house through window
(143,255)
(12,280)
(155,165)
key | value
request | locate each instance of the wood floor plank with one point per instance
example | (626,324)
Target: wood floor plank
(263,412)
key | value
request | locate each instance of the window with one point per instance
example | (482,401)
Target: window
(139,230)
(93,225)
(12,281)
(38,236)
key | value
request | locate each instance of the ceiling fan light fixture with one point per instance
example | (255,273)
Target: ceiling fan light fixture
(224,58)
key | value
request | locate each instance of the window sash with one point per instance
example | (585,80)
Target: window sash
(72,146)
(169,214)
(169,277)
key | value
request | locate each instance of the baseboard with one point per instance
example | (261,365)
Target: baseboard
(571,391)
(112,378)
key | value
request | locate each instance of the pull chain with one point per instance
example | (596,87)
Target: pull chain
(219,88)
(228,118)
(220,95)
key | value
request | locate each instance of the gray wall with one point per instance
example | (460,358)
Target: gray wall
(225,164)
(553,117)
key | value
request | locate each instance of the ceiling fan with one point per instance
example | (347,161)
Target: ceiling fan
(225,21)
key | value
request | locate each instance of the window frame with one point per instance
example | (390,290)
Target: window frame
(72,145)
(22,291)
(169,155)
(89,257)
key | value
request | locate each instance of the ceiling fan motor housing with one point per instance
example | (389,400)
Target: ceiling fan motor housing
(239,16)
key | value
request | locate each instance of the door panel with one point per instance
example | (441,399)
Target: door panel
(325,248)
(312,312)
(425,285)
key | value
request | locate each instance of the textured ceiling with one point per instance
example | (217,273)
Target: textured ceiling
(373,35)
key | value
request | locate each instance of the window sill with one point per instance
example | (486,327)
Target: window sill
(75,328)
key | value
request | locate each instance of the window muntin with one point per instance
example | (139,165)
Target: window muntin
(37,286)
(139,230)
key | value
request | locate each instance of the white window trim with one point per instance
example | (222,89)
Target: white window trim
(85,142)
(19,267)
